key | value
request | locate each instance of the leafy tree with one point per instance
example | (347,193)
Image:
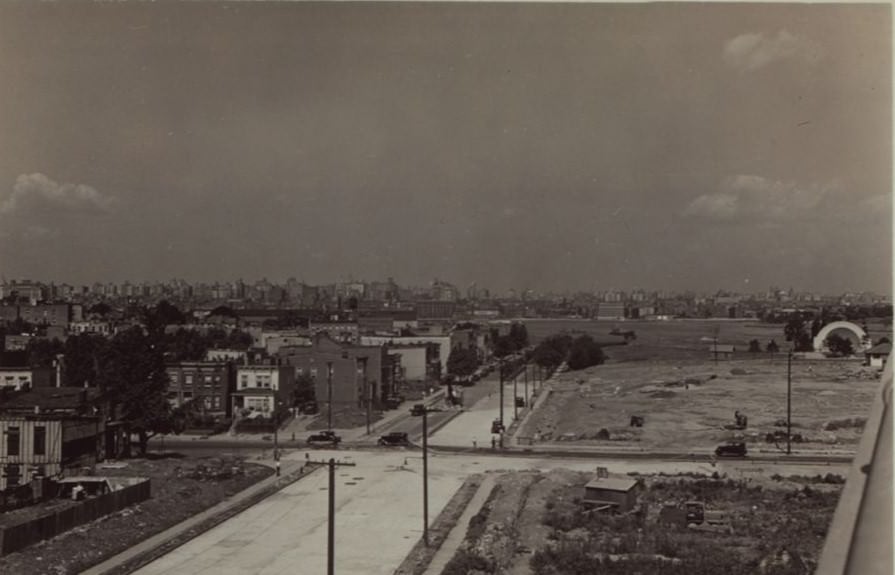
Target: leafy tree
(518,336)
(773,347)
(552,351)
(43,352)
(839,346)
(585,352)
(503,346)
(100,309)
(164,313)
(82,353)
(133,378)
(224,311)
(754,346)
(462,362)
(304,390)
(797,332)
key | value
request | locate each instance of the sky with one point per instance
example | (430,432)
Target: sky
(553,147)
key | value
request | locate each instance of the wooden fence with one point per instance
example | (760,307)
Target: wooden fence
(19,536)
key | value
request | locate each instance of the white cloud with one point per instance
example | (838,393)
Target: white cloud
(752,51)
(37,194)
(754,197)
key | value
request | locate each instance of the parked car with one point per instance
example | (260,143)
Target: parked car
(731,449)
(309,408)
(497,426)
(323,438)
(418,409)
(394,438)
(392,402)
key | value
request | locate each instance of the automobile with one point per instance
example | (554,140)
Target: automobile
(418,409)
(394,438)
(392,402)
(497,426)
(731,449)
(324,437)
(309,408)
(520,401)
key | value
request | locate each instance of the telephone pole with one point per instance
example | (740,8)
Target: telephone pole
(789,403)
(500,369)
(329,394)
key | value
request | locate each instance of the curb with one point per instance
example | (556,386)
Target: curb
(169,544)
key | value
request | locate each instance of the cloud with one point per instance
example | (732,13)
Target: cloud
(750,197)
(753,51)
(37,194)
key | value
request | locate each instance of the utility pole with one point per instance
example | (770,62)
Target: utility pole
(367,392)
(329,394)
(425,479)
(515,398)
(331,526)
(331,540)
(789,403)
(424,413)
(526,384)
(500,369)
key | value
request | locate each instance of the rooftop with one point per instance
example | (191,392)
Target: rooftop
(612,483)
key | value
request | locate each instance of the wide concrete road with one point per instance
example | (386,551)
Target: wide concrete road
(378,512)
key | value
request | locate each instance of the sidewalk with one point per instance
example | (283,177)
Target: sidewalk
(458,533)
(179,534)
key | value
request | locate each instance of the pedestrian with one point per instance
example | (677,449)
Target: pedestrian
(474,444)
(293,436)
(278,467)
(493,442)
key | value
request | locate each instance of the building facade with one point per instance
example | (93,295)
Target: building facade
(207,384)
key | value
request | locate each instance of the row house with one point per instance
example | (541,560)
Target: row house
(348,373)
(205,384)
(437,360)
(45,431)
(262,388)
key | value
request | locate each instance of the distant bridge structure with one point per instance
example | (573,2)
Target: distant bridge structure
(854,332)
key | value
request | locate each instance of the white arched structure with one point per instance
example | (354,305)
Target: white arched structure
(821,337)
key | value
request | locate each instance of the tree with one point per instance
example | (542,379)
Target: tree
(304,390)
(133,379)
(101,309)
(773,347)
(585,352)
(43,352)
(883,340)
(839,346)
(462,362)
(552,351)
(754,346)
(518,336)
(797,332)
(82,353)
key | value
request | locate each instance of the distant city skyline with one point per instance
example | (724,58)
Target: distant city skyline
(557,148)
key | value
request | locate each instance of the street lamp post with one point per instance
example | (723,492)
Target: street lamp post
(526,384)
(789,403)
(329,394)
(424,413)
(500,369)
(331,539)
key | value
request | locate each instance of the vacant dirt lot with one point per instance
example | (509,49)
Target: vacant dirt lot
(178,492)
(686,403)
(533,523)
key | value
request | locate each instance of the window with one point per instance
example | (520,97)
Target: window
(207,379)
(40,440)
(13,441)
(188,378)
(13,474)
(217,402)
(243,381)
(313,372)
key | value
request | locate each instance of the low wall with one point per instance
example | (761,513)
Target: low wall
(19,536)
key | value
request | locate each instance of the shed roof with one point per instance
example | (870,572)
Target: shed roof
(612,483)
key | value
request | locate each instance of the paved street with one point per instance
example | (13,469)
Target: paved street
(378,511)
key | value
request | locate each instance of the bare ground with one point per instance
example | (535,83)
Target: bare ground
(174,498)
(687,403)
